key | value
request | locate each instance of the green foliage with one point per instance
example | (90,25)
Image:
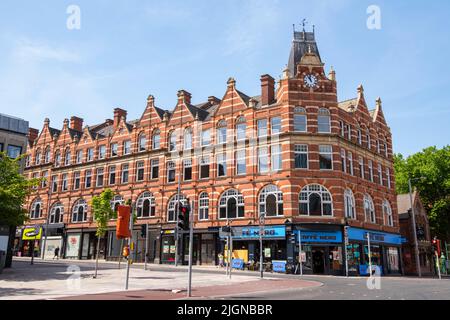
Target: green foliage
(430,174)
(14,189)
(103,213)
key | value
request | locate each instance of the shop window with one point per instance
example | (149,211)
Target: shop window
(146,205)
(315,200)
(231,205)
(271,201)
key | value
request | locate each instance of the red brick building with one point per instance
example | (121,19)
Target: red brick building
(293,152)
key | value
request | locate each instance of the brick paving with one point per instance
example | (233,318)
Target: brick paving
(259,286)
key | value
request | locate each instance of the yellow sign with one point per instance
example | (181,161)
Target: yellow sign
(32,233)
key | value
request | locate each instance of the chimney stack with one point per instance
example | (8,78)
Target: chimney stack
(267,90)
(32,135)
(184,96)
(76,124)
(118,114)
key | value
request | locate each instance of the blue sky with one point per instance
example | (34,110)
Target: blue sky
(126,50)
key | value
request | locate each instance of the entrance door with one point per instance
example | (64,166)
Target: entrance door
(318,256)
(208,250)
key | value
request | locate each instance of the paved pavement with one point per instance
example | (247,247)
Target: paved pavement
(74,280)
(49,279)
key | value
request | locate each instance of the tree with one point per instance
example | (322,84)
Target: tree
(14,189)
(430,174)
(103,213)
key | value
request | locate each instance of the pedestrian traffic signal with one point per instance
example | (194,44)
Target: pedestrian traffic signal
(144,231)
(434,245)
(183,217)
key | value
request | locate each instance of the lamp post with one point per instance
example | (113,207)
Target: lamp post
(261,257)
(416,245)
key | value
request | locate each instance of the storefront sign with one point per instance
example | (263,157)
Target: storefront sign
(237,264)
(279,266)
(252,233)
(320,236)
(378,237)
(32,233)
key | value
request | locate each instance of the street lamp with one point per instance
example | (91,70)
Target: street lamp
(261,231)
(416,245)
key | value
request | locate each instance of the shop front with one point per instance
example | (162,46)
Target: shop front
(246,245)
(384,251)
(322,249)
(82,245)
(205,247)
(168,247)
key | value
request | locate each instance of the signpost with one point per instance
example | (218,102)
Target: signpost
(300,253)
(261,231)
(370,255)
(131,248)
(191,247)
(346,249)
(146,246)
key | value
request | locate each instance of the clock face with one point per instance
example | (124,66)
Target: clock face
(311,81)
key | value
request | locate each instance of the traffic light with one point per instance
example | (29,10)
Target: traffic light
(434,245)
(183,217)
(144,231)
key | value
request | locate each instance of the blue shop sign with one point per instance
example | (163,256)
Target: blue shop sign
(252,233)
(279,266)
(237,264)
(375,236)
(320,236)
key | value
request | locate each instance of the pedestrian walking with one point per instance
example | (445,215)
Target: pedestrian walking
(56,253)
(220,256)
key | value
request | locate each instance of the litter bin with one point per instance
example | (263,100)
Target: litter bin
(2,260)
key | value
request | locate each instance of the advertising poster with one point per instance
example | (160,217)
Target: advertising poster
(73,245)
(50,245)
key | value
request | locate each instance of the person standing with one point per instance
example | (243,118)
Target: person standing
(220,256)
(56,253)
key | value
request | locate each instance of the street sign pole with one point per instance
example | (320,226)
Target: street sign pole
(346,250)
(227,244)
(300,255)
(191,248)
(261,257)
(146,246)
(231,252)
(370,254)
(438,264)
(130,251)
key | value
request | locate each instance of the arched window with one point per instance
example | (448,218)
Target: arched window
(36,209)
(56,213)
(241,127)
(156,139)
(387,213)
(142,142)
(172,141)
(146,206)
(222,132)
(187,139)
(300,119)
(38,157)
(349,204)
(172,207)
(315,200)
(231,205)
(271,201)
(67,157)
(47,155)
(203,206)
(369,209)
(368,139)
(116,202)
(324,121)
(79,211)
(57,159)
